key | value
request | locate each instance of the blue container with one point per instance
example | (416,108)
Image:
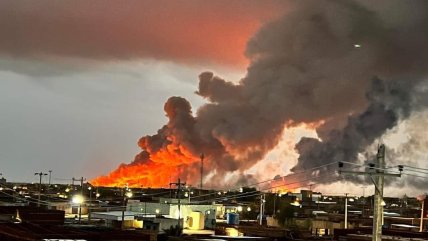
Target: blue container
(232,218)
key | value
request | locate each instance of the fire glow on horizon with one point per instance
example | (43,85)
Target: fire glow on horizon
(168,164)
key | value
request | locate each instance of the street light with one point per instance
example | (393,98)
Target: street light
(78,199)
(129,194)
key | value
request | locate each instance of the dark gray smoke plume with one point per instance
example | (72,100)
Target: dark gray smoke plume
(389,101)
(315,63)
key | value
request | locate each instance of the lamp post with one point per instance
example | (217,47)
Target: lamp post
(248,213)
(128,194)
(346,210)
(90,203)
(78,199)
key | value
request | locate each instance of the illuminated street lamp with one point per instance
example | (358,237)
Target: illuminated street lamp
(239,208)
(78,199)
(129,194)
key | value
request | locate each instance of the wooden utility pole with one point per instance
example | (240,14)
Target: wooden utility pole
(377,175)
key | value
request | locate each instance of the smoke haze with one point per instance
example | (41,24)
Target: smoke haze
(351,64)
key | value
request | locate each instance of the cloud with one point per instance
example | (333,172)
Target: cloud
(183,30)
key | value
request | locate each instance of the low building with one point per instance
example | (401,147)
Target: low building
(31,215)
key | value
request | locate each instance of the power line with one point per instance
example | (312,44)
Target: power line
(419,168)
(413,175)
(274,179)
(254,193)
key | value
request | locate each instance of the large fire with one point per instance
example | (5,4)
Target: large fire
(280,186)
(157,168)
(163,167)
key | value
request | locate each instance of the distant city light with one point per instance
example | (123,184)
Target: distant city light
(357,45)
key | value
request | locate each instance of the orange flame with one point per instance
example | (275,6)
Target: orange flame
(163,167)
(279,186)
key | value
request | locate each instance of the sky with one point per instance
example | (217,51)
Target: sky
(82,81)
(83,87)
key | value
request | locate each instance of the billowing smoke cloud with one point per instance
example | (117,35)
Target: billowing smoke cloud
(315,63)
(389,101)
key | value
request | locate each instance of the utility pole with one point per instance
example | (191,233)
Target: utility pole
(274,205)
(262,208)
(81,194)
(202,168)
(50,174)
(178,184)
(377,176)
(40,185)
(90,204)
(421,226)
(346,210)
(49,183)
